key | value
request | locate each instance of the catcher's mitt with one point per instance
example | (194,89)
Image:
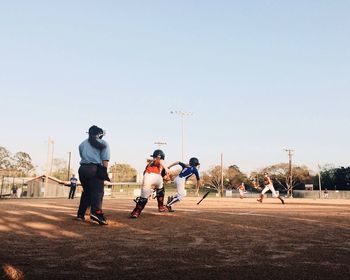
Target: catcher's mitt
(166,177)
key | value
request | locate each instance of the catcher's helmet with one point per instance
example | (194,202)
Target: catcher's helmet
(194,161)
(96,131)
(158,153)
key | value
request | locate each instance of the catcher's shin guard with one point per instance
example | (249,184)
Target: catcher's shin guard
(280,198)
(140,204)
(261,198)
(160,200)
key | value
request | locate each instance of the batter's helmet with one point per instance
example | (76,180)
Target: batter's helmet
(158,153)
(194,161)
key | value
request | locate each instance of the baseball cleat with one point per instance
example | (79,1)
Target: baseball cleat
(162,208)
(99,218)
(135,214)
(79,218)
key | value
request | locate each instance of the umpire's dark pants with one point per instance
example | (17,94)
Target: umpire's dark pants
(72,192)
(93,189)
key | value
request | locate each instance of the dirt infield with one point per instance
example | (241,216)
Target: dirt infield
(219,239)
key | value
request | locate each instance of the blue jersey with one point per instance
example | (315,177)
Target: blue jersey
(73,181)
(188,171)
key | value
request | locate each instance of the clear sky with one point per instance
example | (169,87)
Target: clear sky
(259,76)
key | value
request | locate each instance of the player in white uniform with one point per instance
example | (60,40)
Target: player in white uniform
(268,186)
(241,189)
(180,181)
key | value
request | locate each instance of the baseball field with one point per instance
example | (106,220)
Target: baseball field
(222,238)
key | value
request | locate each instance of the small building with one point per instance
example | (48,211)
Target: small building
(40,187)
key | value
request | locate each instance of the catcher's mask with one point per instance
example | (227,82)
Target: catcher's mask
(96,131)
(158,154)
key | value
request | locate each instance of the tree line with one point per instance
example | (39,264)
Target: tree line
(337,178)
(15,165)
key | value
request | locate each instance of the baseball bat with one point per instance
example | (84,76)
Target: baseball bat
(204,196)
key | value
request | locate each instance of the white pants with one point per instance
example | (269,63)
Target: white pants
(180,187)
(151,181)
(271,188)
(241,192)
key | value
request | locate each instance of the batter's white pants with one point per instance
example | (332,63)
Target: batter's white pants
(180,187)
(271,188)
(150,182)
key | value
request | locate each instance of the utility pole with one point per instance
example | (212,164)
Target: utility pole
(52,149)
(319,182)
(222,176)
(290,172)
(69,158)
(49,152)
(182,115)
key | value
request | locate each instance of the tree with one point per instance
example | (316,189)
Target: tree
(123,173)
(5,158)
(18,165)
(23,163)
(60,169)
(337,178)
(232,177)
(279,173)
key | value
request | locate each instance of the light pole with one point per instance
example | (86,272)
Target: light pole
(69,158)
(290,155)
(182,115)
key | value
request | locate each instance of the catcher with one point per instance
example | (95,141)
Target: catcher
(180,181)
(152,178)
(268,186)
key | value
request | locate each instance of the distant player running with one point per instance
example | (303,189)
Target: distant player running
(242,191)
(180,181)
(152,179)
(268,186)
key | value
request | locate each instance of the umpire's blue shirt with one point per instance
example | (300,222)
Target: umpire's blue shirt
(90,154)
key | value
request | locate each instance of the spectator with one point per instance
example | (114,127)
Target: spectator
(73,186)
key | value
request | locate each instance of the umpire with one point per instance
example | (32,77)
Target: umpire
(95,154)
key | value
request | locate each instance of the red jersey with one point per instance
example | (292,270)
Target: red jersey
(154,167)
(267,181)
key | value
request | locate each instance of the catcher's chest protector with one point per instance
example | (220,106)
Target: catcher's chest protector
(154,167)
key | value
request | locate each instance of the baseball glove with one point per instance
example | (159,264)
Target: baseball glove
(166,177)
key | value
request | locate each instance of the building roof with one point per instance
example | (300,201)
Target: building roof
(50,178)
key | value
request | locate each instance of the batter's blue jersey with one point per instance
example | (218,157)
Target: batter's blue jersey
(188,171)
